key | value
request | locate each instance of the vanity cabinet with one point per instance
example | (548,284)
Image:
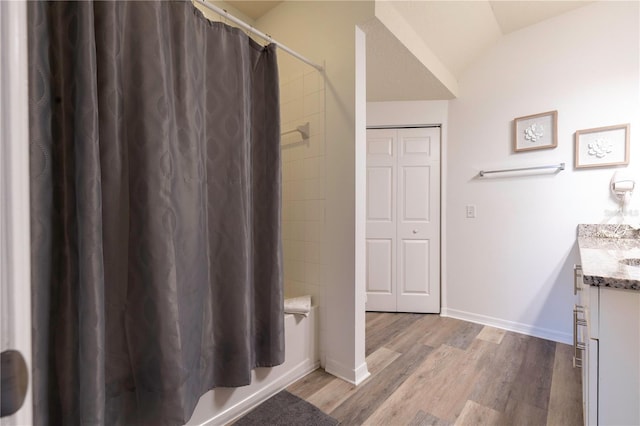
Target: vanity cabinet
(607,323)
(607,343)
(585,345)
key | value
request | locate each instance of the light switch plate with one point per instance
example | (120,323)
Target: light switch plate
(471,211)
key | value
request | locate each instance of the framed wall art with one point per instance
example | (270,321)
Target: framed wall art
(537,131)
(602,146)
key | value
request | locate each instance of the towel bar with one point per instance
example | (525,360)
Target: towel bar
(303,129)
(551,166)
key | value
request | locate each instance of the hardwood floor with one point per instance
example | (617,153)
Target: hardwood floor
(429,370)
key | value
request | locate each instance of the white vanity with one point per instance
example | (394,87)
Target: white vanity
(607,324)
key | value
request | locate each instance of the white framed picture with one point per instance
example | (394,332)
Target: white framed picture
(602,146)
(537,131)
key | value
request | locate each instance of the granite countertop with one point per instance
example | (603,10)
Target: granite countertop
(602,247)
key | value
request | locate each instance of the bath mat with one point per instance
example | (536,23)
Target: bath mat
(286,409)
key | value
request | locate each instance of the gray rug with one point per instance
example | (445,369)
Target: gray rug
(285,409)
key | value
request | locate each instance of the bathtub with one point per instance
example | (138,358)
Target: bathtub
(220,406)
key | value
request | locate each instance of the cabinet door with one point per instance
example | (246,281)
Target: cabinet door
(590,386)
(619,357)
(586,362)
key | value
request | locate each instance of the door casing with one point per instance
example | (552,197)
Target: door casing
(15,253)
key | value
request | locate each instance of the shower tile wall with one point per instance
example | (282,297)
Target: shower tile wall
(303,183)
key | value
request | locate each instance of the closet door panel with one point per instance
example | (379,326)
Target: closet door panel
(418,224)
(381,221)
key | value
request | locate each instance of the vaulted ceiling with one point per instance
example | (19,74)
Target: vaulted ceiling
(442,37)
(417,50)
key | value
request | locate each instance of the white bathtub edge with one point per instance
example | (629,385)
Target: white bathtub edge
(222,405)
(246,405)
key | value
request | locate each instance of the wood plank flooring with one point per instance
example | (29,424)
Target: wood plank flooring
(429,370)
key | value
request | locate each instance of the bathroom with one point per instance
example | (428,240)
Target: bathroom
(512,265)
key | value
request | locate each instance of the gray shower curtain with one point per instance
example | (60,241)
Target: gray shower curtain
(155,210)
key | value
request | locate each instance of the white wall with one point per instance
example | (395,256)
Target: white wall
(407,113)
(325,32)
(360,205)
(512,265)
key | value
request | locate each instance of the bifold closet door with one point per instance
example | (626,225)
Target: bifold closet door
(381,219)
(403,220)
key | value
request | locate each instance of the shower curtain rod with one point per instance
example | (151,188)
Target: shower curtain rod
(260,34)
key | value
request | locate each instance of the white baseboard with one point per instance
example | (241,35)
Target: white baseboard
(242,407)
(362,373)
(353,376)
(517,327)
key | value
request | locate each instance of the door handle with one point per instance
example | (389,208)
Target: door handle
(578,346)
(577,272)
(15,380)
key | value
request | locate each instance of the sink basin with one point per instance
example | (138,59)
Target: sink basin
(631,261)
